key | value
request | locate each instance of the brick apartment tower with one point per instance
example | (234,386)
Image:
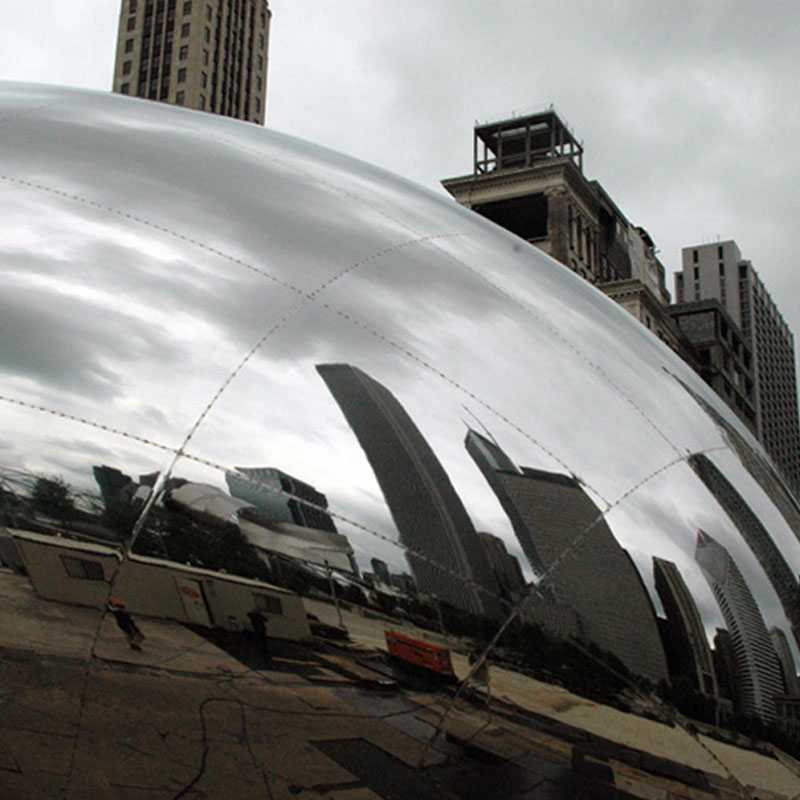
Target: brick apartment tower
(718,271)
(209,55)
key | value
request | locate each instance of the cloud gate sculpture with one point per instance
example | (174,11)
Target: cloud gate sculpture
(214,330)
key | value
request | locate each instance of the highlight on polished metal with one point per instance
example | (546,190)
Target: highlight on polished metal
(239,370)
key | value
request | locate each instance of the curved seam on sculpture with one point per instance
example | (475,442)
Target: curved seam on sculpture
(308,295)
(333,187)
(557,333)
(155,226)
(515,610)
(403,349)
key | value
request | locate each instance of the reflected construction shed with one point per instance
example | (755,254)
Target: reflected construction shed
(76,572)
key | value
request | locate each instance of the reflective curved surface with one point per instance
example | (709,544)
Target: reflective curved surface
(343,366)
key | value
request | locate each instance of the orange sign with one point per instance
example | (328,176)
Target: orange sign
(419,653)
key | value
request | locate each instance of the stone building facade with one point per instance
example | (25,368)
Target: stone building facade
(724,358)
(528,178)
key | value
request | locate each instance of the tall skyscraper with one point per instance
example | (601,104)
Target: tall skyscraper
(505,567)
(426,509)
(758,539)
(598,578)
(761,469)
(786,660)
(491,460)
(718,271)
(209,55)
(687,647)
(757,672)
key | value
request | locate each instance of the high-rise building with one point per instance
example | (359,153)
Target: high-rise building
(527,176)
(757,672)
(597,576)
(756,536)
(723,358)
(491,460)
(718,271)
(506,568)
(686,644)
(209,55)
(280,497)
(786,659)
(761,469)
(444,552)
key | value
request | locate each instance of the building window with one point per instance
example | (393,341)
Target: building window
(185,28)
(83,568)
(263,20)
(203,79)
(125,88)
(268,604)
(129,45)
(187,7)
(182,75)
(132,6)
(205,57)
(261,40)
(258,104)
(260,63)
(209,13)
(126,68)
(722,270)
(742,270)
(131,23)
(259,84)
(695,256)
(697,273)
(207,35)
(183,53)
(719,252)
(202,105)
(179,98)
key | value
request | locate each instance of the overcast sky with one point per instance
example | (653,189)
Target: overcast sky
(687,110)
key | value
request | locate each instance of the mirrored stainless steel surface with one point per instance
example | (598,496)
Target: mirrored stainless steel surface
(179,291)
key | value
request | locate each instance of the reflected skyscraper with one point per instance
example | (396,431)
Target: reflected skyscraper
(268,489)
(491,460)
(757,673)
(598,578)
(755,534)
(429,514)
(506,568)
(786,659)
(759,467)
(687,647)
